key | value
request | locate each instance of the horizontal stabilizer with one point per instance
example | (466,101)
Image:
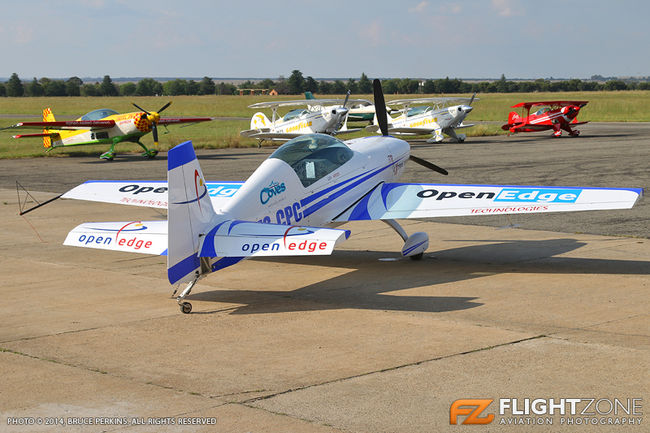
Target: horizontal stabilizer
(147,237)
(245,239)
(146,193)
(404,200)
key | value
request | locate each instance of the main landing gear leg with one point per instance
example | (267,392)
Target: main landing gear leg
(186,307)
(148,153)
(414,245)
(108,156)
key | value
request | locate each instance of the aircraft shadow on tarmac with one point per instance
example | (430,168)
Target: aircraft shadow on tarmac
(367,285)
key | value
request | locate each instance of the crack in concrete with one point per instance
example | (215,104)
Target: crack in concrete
(394,368)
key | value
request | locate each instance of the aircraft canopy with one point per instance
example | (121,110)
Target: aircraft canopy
(313,156)
(98,114)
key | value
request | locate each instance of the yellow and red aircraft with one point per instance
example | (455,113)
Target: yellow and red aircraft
(103,126)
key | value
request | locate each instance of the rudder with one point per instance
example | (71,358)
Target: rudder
(190,213)
(260,121)
(47,117)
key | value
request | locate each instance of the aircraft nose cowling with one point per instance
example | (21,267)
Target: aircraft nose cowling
(467,108)
(340,111)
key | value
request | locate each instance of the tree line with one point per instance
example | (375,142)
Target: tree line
(297,84)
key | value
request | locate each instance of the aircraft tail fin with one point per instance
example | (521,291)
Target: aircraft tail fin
(190,214)
(309,95)
(513,118)
(260,121)
(47,117)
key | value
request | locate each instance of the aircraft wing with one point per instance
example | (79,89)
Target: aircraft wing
(234,238)
(273,135)
(305,102)
(560,103)
(404,200)
(65,124)
(416,131)
(439,100)
(147,237)
(144,193)
(176,120)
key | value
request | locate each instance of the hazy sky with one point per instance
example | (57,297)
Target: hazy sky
(326,38)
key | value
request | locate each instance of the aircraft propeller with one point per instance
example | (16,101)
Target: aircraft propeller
(382,119)
(153,118)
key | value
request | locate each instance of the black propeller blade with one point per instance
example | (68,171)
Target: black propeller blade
(429,165)
(140,108)
(380,107)
(165,106)
(154,132)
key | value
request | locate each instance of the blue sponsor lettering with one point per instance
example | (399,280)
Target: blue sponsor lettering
(90,239)
(222,189)
(275,188)
(253,248)
(539,195)
(289,214)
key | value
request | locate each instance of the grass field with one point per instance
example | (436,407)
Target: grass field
(631,106)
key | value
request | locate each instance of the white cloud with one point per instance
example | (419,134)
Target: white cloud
(372,33)
(507,8)
(451,8)
(420,7)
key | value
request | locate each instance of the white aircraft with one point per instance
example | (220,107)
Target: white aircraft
(309,182)
(327,116)
(437,117)
(361,110)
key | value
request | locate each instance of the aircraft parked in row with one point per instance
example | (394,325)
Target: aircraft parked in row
(102,126)
(311,181)
(328,116)
(429,116)
(555,115)
(361,110)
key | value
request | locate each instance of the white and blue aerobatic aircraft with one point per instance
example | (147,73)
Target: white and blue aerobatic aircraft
(309,182)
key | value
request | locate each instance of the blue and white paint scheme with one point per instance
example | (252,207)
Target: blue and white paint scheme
(291,203)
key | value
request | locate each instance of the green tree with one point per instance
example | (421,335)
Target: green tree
(107,88)
(365,85)
(390,86)
(206,86)
(429,87)
(53,87)
(225,89)
(73,86)
(325,87)
(3,90)
(127,89)
(148,87)
(311,84)
(615,85)
(338,87)
(34,88)
(89,89)
(15,86)
(175,87)
(267,83)
(296,82)
(191,87)
(352,86)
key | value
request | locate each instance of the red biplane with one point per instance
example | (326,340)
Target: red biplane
(555,115)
